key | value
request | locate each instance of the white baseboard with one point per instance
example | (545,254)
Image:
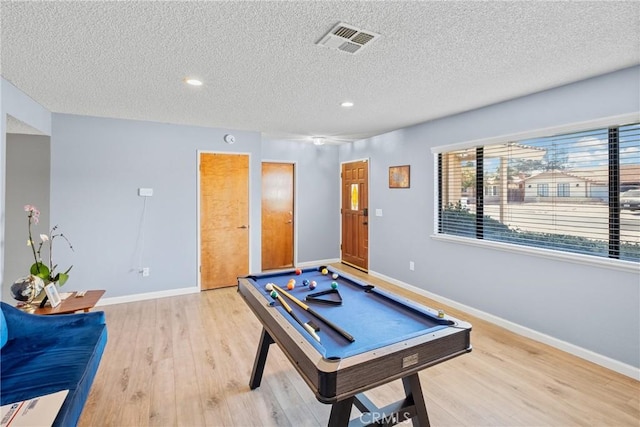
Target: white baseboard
(583,353)
(319,262)
(147,296)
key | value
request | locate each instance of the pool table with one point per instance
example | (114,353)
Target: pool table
(384,337)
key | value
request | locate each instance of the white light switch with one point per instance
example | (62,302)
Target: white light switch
(145,192)
(378,212)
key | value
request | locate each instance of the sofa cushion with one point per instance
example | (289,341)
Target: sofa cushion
(4,333)
(62,353)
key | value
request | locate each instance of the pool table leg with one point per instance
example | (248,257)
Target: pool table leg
(413,391)
(341,412)
(412,406)
(261,359)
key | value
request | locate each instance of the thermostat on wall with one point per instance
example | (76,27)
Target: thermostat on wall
(229,139)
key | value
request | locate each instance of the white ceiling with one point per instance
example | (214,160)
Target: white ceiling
(263,71)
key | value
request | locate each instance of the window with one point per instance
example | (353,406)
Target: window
(543,190)
(491,190)
(354,197)
(572,192)
(564,190)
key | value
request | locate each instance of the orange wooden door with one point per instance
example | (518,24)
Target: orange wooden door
(277,215)
(224,219)
(355,210)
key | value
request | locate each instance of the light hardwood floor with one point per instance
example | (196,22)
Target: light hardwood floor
(186,361)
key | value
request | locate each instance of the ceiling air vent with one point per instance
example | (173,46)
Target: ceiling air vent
(348,38)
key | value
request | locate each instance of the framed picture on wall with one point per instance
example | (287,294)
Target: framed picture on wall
(52,294)
(399,176)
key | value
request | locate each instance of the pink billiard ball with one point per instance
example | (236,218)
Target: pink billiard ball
(313,285)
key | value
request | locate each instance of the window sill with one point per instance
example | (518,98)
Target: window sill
(614,264)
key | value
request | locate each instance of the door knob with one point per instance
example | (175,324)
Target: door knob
(243,226)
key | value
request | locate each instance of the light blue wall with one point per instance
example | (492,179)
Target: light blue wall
(16,103)
(19,105)
(317,196)
(98,164)
(27,183)
(592,307)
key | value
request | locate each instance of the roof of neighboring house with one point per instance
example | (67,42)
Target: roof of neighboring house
(493,180)
(629,174)
(553,173)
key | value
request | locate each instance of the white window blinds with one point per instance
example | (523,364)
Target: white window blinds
(561,192)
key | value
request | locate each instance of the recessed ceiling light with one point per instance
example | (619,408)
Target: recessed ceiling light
(318,140)
(193,82)
(347,104)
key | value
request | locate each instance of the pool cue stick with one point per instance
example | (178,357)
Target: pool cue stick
(297,319)
(308,309)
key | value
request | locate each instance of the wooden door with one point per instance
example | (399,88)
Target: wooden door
(224,219)
(355,210)
(277,215)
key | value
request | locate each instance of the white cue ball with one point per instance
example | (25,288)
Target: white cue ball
(269,287)
(334,275)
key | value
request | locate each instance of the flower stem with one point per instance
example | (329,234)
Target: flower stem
(31,243)
(50,256)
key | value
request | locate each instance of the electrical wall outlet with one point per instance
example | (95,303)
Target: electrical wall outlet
(145,272)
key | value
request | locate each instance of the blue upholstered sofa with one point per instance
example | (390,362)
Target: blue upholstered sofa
(44,354)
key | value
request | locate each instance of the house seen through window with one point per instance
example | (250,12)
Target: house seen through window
(577,192)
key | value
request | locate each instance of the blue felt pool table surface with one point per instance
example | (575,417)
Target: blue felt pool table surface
(374,317)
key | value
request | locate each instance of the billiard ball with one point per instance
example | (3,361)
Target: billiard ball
(324,271)
(334,285)
(269,287)
(313,285)
(305,282)
(274,294)
(334,276)
(441,314)
(291,285)
(298,272)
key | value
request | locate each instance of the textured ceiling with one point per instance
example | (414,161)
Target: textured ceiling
(262,70)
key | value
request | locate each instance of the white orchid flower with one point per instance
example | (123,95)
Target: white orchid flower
(44,237)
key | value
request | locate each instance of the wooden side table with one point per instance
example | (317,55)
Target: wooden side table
(73,304)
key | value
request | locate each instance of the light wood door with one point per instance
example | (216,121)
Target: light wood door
(224,219)
(355,211)
(277,215)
